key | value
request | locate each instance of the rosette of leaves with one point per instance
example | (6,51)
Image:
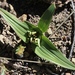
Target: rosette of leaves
(41,45)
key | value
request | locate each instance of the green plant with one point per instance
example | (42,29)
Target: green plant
(41,45)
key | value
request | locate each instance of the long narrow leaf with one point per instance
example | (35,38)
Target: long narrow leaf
(48,51)
(14,19)
(46,18)
(19,27)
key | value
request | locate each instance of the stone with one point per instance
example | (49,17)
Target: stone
(73,60)
(68,74)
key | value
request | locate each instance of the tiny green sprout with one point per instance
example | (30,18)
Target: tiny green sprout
(41,45)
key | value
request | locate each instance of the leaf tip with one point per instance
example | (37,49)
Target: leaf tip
(54,4)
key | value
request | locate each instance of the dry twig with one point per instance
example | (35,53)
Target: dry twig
(72,47)
(29,61)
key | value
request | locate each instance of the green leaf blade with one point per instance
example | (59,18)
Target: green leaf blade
(46,18)
(19,27)
(52,54)
(14,19)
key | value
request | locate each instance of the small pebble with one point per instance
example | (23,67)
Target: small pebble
(67,73)
(34,71)
(49,31)
(29,69)
(23,17)
(73,60)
